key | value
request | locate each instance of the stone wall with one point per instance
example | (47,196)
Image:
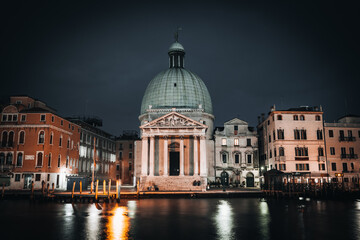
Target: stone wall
(172,183)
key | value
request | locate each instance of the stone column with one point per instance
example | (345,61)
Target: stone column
(203,165)
(182,156)
(166,153)
(196,155)
(151,157)
(144,156)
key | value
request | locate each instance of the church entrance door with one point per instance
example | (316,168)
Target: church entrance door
(174,163)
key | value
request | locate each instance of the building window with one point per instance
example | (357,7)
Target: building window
(48,177)
(331,133)
(274,152)
(22,137)
(303,134)
(9,159)
(349,133)
(224,158)
(120,146)
(19,161)
(60,141)
(49,162)
(302,166)
(68,144)
(333,166)
(130,155)
(343,152)
(37,177)
(319,134)
(332,151)
(4,139)
(268,122)
(352,166)
(317,118)
(61,122)
(248,142)
(52,118)
(236,142)
(67,162)
(59,161)
(117,167)
(269,138)
(130,166)
(301,151)
(2,158)
(281,151)
(274,135)
(296,117)
(39,162)
(359,133)
(41,137)
(342,136)
(237,158)
(296,134)
(51,138)
(235,130)
(351,152)
(120,156)
(279,117)
(282,167)
(223,141)
(11,139)
(321,151)
(17,177)
(280,133)
(130,146)
(57,180)
(270,153)
(345,167)
(23,118)
(42,117)
(322,167)
(302,118)
(249,160)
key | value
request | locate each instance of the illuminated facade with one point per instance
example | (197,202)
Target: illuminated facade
(236,154)
(176,150)
(37,145)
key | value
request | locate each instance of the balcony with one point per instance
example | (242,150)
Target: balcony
(301,158)
(6,167)
(348,156)
(346,139)
(321,158)
(280,158)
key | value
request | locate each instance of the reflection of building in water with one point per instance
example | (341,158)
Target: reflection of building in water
(118,224)
(224,220)
(176,147)
(236,154)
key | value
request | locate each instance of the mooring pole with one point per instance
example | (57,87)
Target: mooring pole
(109,189)
(73,189)
(96,190)
(116,190)
(80,187)
(104,187)
(137,188)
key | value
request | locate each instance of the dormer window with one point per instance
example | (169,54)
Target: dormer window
(42,117)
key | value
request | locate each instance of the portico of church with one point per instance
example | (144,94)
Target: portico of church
(173,154)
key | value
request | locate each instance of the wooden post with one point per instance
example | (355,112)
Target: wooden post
(73,189)
(3,190)
(137,188)
(117,187)
(43,188)
(109,189)
(32,190)
(47,188)
(92,187)
(53,187)
(80,187)
(104,187)
(96,190)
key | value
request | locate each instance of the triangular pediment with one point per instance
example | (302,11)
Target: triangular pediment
(173,120)
(236,121)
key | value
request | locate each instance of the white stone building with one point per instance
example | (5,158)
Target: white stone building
(176,149)
(236,154)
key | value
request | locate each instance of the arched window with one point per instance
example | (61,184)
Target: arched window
(11,139)
(2,158)
(68,143)
(41,137)
(317,118)
(302,117)
(21,137)
(49,160)
(67,162)
(9,158)
(51,137)
(4,139)
(19,161)
(39,159)
(60,141)
(237,158)
(59,160)
(224,157)
(296,117)
(281,151)
(279,117)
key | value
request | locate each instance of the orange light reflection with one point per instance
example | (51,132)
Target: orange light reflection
(119,224)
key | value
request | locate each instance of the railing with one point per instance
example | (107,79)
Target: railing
(301,157)
(350,156)
(6,167)
(346,139)
(321,158)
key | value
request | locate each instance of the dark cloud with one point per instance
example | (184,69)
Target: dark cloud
(97,58)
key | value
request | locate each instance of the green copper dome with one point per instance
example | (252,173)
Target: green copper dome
(176,87)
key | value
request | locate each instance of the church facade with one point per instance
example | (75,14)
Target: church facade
(176,150)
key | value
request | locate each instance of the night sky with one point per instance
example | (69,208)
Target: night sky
(96,58)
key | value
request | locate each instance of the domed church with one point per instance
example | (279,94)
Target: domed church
(176,150)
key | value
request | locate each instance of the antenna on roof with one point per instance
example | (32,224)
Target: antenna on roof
(176,35)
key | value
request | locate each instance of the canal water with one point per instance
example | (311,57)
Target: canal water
(236,218)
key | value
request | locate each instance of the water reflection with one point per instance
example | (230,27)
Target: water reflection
(92,222)
(264,219)
(224,220)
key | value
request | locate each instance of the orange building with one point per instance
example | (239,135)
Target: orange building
(37,145)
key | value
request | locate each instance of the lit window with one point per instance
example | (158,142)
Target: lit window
(223,141)
(236,142)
